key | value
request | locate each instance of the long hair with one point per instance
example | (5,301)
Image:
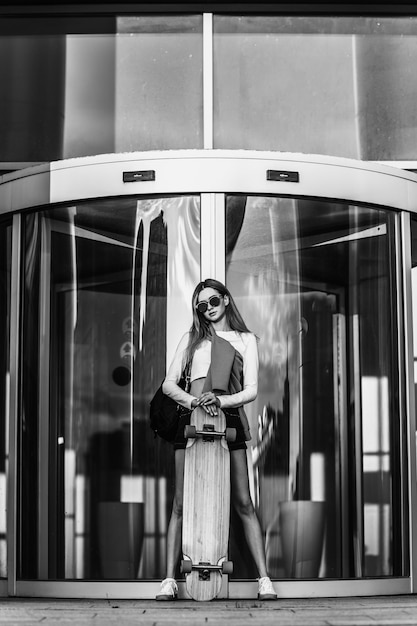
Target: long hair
(201,328)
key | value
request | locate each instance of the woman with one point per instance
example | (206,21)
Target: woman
(217,326)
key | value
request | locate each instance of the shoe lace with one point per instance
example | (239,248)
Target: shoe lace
(169,586)
(265,586)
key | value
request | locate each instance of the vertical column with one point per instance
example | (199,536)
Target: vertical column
(403,244)
(43,382)
(208,228)
(213,236)
(12,418)
(208,80)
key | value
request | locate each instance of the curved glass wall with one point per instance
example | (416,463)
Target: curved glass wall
(316,282)
(104,284)
(107,288)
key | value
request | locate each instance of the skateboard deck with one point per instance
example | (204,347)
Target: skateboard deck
(206,507)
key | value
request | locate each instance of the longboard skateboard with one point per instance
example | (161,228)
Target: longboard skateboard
(206,507)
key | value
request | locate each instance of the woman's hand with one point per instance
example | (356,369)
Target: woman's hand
(209,402)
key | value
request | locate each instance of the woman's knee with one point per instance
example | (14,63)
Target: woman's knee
(177,507)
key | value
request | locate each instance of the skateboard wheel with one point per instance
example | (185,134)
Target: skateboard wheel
(227,567)
(186,566)
(190,432)
(230,434)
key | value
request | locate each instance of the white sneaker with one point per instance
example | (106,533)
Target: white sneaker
(266,590)
(168,591)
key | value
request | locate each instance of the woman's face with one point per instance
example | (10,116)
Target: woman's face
(214,311)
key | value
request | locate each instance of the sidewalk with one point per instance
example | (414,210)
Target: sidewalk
(392,611)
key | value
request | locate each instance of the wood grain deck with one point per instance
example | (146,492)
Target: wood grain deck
(206,514)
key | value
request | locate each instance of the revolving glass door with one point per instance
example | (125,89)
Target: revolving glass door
(106,297)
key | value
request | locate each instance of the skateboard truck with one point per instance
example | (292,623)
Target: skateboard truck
(204,568)
(208,434)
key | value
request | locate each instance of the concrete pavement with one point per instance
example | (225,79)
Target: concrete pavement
(372,611)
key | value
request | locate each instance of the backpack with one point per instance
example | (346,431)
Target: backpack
(164,413)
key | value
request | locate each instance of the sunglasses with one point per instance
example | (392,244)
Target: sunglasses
(203,305)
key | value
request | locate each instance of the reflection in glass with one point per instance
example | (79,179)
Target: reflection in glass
(32,102)
(81,87)
(158,83)
(315,282)
(5,293)
(340,86)
(95,485)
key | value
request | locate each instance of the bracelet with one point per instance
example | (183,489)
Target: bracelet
(217,401)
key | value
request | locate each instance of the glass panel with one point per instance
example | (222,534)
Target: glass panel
(5,292)
(315,281)
(342,86)
(96,487)
(159,83)
(71,89)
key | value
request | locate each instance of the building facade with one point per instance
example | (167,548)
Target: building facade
(145,147)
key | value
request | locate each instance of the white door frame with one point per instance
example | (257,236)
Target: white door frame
(212,173)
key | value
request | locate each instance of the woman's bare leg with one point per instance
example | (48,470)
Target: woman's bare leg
(175,523)
(242,502)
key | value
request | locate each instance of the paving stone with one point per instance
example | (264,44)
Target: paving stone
(374,611)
